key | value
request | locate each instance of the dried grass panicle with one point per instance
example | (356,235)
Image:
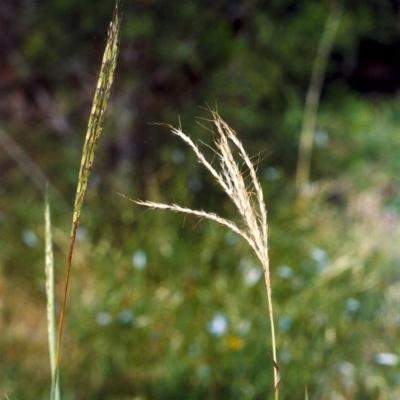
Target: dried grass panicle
(245,192)
(248,199)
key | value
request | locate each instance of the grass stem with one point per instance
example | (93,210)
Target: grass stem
(313,97)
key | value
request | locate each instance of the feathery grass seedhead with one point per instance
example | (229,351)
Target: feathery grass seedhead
(100,101)
(247,197)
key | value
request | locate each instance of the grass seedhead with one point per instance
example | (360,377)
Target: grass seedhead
(247,196)
(100,101)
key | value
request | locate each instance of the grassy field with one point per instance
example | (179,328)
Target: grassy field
(164,306)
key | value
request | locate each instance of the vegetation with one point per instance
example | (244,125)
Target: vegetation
(163,307)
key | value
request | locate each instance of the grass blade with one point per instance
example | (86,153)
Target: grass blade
(100,101)
(51,318)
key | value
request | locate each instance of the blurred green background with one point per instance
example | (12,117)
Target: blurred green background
(165,307)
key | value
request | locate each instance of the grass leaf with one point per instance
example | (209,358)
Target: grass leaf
(51,318)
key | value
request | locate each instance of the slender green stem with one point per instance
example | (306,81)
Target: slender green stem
(313,97)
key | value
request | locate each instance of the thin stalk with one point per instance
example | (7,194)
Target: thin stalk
(313,97)
(273,338)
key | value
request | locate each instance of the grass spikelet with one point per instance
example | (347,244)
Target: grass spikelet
(247,196)
(100,101)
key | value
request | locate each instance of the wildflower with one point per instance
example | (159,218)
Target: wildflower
(139,260)
(30,238)
(103,318)
(235,342)
(386,359)
(218,325)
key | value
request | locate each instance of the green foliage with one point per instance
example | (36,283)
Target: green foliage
(151,288)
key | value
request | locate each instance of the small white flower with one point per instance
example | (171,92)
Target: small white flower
(125,316)
(103,318)
(285,272)
(218,325)
(352,305)
(272,174)
(178,156)
(139,260)
(319,255)
(386,359)
(285,323)
(251,272)
(244,327)
(321,138)
(30,238)
(81,234)
(285,356)
(252,275)
(346,368)
(231,238)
